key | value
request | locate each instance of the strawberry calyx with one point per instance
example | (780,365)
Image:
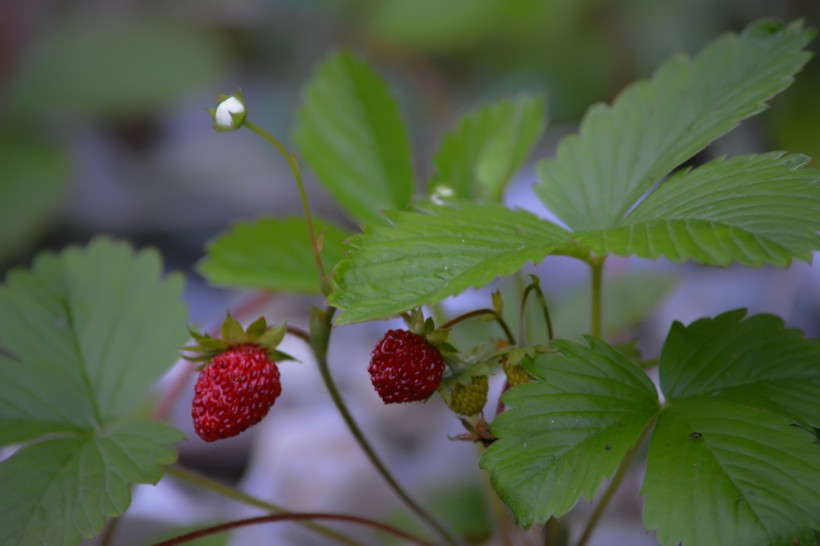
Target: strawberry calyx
(258,334)
(426,328)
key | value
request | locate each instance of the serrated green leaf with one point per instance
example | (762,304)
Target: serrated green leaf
(489,145)
(351,134)
(623,150)
(93,70)
(756,361)
(426,256)
(271,254)
(749,209)
(724,473)
(83,336)
(568,431)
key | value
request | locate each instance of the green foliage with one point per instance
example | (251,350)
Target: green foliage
(33,179)
(83,336)
(568,431)
(489,145)
(271,254)
(424,257)
(116,68)
(726,463)
(351,134)
(624,149)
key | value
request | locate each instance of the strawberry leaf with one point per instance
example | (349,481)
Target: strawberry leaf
(83,336)
(351,134)
(271,254)
(568,431)
(623,150)
(489,145)
(427,256)
(726,465)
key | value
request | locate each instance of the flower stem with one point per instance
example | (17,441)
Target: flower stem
(481,313)
(237,495)
(290,157)
(534,286)
(597,266)
(291,517)
(603,502)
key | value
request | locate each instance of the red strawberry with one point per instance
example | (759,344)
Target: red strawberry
(405,367)
(240,382)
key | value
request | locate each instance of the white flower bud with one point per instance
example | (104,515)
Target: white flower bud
(229,114)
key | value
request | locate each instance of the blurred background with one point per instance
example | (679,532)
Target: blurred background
(103,129)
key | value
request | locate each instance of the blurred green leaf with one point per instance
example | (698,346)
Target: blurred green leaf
(351,134)
(753,209)
(566,432)
(489,145)
(622,150)
(271,254)
(114,68)
(83,336)
(427,256)
(32,182)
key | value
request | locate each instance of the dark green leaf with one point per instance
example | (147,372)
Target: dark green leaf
(351,134)
(426,256)
(568,431)
(478,159)
(724,473)
(271,254)
(655,125)
(750,209)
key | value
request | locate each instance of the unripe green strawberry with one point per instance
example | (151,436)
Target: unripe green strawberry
(516,374)
(469,399)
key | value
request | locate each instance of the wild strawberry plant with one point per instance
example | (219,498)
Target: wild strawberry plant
(730,431)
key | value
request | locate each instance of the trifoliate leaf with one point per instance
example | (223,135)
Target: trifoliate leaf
(83,336)
(568,431)
(426,256)
(725,473)
(478,159)
(654,126)
(750,209)
(351,134)
(271,254)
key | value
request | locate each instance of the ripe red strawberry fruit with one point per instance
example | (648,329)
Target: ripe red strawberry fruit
(405,367)
(239,382)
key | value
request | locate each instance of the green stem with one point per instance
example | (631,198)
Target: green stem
(482,313)
(597,266)
(534,286)
(603,502)
(221,528)
(290,157)
(237,495)
(319,346)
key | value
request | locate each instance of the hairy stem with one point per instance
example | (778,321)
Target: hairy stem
(482,313)
(290,157)
(292,517)
(603,502)
(597,266)
(239,496)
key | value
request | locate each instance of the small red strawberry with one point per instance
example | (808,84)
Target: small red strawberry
(239,382)
(405,367)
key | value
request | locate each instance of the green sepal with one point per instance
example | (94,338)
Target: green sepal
(279,356)
(273,337)
(257,328)
(257,333)
(232,331)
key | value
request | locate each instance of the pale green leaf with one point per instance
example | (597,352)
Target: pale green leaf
(351,134)
(623,150)
(723,473)
(489,145)
(271,254)
(426,256)
(85,69)
(59,491)
(755,361)
(749,209)
(33,183)
(566,432)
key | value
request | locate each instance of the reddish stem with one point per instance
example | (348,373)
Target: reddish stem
(292,517)
(250,306)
